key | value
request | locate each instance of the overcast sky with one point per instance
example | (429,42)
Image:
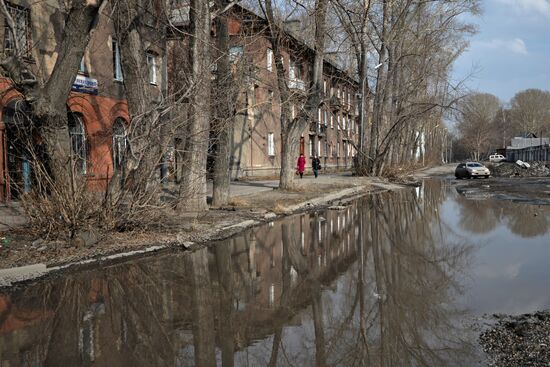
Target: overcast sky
(511,51)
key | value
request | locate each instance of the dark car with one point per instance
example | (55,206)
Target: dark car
(471,169)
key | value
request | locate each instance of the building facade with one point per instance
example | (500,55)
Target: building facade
(257,131)
(98,110)
(97,107)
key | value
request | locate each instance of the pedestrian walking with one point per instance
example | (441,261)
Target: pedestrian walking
(301,165)
(316,165)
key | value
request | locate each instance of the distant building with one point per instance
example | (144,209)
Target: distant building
(528,148)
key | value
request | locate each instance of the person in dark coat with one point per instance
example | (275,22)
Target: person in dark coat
(316,165)
(301,165)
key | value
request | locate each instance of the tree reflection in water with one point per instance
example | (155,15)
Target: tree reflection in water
(369,285)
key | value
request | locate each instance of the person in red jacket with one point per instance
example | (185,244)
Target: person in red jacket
(301,165)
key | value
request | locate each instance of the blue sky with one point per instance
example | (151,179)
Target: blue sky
(511,51)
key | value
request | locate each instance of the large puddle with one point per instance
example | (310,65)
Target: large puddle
(395,279)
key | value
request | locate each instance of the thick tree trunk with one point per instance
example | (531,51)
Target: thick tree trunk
(49,104)
(193,186)
(145,134)
(224,114)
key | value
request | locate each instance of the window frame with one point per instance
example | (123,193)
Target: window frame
(152,67)
(269,59)
(271,144)
(15,10)
(82,144)
(120,141)
(118,75)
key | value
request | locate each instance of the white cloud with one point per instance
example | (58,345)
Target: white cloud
(514,45)
(528,7)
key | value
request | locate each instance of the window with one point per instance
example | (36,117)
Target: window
(338,121)
(120,141)
(295,70)
(269,59)
(326,117)
(319,148)
(21,18)
(235,53)
(332,121)
(117,62)
(82,67)
(318,118)
(292,111)
(338,149)
(152,66)
(270,144)
(78,141)
(344,122)
(325,86)
(311,146)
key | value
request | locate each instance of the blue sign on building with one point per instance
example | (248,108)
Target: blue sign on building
(86,85)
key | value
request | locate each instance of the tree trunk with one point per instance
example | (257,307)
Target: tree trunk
(291,129)
(224,114)
(193,186)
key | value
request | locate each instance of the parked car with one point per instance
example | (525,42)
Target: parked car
(471,169)
(497,158)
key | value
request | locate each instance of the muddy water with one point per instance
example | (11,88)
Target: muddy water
(395,279)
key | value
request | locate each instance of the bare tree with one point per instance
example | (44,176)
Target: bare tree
(475,122)
(530,111)
(292,128)
(193,185)
(403,54)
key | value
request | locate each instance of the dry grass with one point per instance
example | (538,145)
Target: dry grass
(401,170)
(239,201)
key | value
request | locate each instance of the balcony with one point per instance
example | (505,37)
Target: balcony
(297,84)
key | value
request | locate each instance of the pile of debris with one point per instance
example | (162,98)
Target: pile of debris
(521,169)
(520,341)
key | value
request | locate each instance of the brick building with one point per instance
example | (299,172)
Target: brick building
(98,111)
(256,140)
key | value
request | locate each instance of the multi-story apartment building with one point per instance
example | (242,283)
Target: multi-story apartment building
(257,131)
(98,110)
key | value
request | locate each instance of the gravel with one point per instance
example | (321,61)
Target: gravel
(522,340)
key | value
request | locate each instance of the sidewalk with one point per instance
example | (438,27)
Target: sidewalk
(244,187)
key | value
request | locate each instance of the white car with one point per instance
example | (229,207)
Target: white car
(471,170)
(496,158)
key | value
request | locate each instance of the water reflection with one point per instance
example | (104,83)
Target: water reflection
(484,216)
(369,285)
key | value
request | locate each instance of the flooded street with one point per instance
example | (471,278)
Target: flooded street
(395,279)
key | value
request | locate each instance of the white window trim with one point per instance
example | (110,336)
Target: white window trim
(271,144)
(152,68)
(269,56)
(118,76)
